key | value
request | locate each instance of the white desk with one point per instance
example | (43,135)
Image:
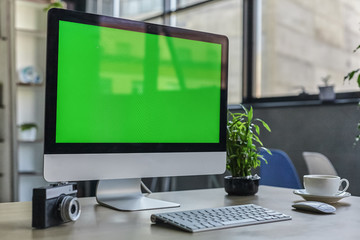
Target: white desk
(100,223)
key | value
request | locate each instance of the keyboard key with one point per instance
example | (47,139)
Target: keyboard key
(242,221)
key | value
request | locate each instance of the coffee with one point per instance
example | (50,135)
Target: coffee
(324,185)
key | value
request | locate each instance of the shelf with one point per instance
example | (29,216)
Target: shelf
(35,33)
(30,173)
(29,84)
(28,141)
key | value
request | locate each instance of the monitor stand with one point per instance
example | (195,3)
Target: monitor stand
(126,195)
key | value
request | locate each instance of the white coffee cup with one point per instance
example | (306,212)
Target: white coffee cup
(324,185)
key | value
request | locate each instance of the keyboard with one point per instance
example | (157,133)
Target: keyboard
(218,218)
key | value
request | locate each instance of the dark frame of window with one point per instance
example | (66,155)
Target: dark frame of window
(249,38)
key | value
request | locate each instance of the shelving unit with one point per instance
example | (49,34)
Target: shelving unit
(29,31)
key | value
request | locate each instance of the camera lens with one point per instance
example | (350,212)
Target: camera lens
(69,208)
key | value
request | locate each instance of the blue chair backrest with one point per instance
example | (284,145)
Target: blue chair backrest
(279,171)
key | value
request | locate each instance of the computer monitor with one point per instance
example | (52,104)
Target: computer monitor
(127,100)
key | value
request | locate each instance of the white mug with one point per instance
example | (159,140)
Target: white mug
(324,185)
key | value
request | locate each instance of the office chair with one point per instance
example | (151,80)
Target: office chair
(318,163)
(279,171)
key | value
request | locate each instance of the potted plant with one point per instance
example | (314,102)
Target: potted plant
(327,93)
(350,76)
(242,147)
(55,4)
(27,132)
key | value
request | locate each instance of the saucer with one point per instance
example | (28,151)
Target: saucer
(326,199)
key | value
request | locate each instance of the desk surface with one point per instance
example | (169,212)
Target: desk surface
(97,222)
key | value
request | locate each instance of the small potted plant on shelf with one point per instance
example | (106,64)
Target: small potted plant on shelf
(55,4)
(27,132)
(327,93)
(242,149)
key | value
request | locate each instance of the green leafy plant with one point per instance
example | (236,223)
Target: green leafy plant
(243,143)
(27,126)
(54,4)
(356,75)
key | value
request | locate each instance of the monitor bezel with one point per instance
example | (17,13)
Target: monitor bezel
(51,147)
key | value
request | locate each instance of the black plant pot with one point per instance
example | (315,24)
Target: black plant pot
(241,186)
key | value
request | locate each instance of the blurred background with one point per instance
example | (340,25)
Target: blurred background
(290,47)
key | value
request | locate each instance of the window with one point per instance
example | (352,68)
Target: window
(134,9)
(302,42)
(215,16)
(282,51)
(221,17)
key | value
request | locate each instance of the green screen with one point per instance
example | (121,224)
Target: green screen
(119,86)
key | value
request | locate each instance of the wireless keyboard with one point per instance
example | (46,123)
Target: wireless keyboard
(218,218)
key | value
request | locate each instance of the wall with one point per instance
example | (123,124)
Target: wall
(328,129)
(5,111)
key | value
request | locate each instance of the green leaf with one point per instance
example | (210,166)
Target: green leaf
(262,158)
(267,150)
(232,156)
(257,129)
(250,115)
(257,140)
(266,126)
(244,108)
(351,74)
(357,48)
(238,114)
(358,80)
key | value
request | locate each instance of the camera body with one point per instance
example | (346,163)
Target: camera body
(54,205)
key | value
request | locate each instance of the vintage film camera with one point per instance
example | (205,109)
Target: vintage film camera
(54,205)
